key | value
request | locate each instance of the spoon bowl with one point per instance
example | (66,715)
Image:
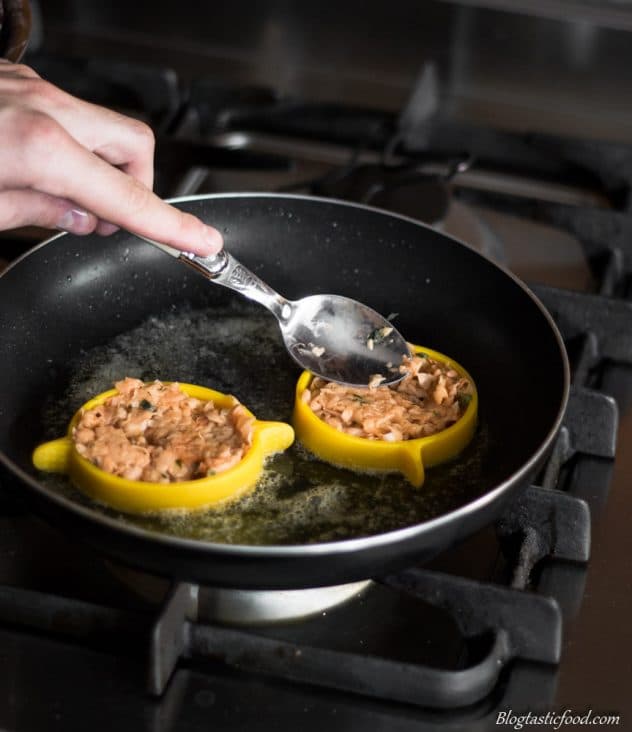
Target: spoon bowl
(342,340)
(334,337)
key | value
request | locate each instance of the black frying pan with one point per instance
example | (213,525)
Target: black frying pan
(75,308)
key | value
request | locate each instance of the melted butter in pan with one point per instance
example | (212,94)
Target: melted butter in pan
(299,499)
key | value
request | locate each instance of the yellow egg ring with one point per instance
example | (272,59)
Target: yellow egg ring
(136,496)
(409,457)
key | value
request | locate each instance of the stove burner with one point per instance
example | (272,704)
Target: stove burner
(245,607)
(256,607)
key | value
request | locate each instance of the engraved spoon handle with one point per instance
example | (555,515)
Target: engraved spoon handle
(223,269)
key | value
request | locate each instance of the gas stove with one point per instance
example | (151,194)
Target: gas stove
(520,617)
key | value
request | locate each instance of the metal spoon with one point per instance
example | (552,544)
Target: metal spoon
(332,336)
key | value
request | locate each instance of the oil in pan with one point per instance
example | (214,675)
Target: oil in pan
(237,349)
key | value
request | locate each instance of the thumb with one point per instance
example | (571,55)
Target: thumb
(32,208)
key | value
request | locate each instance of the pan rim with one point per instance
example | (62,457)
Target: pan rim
(343,546)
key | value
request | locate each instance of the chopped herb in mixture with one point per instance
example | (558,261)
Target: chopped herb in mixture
(378,335)
(464,400)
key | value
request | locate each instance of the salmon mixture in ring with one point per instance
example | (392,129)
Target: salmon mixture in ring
(156,433)
(430,397)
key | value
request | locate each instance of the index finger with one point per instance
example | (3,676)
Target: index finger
(67,169)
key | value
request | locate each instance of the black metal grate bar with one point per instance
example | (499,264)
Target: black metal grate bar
(578,313)
(169,638)
(561,523)
(64,615)
(599,230)
(522,624)
(592,420)
(366,675)
(586,360)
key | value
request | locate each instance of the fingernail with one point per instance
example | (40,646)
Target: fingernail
(105,228)
(213,240)
(76,221)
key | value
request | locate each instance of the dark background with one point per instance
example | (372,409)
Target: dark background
(553,65)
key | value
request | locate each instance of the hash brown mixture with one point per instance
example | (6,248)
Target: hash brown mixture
(430,397)
(157,433)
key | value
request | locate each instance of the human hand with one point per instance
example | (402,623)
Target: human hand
(71,165)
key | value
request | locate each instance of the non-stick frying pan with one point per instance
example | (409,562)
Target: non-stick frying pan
(74,304)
